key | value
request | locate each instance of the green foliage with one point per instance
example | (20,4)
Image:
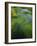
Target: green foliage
(21,22)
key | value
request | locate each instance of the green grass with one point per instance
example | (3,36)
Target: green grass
(21,23)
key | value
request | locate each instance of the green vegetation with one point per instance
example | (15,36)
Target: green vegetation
(21,22)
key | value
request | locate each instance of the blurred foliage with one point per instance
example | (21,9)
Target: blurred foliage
(21,22)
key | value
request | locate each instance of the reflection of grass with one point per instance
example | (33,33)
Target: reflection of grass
(21,23)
